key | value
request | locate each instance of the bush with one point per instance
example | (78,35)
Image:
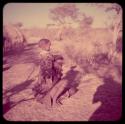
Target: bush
(13,38)
(86,54)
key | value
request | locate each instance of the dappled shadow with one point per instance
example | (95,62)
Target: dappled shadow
(110,96)
(32,44)
(9,105)
(15,90)
(18,88)
(13,52)
(72,82)
(28,55)
(31,58)
(30,47)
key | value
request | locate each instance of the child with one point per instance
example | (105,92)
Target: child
(50,70)
(45,73)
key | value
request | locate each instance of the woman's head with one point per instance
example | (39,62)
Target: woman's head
(59,61)
(45,44)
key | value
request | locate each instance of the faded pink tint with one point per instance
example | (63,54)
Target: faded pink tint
(79,78)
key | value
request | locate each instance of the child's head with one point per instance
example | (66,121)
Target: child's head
(45,44)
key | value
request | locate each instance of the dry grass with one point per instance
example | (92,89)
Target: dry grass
(98,81)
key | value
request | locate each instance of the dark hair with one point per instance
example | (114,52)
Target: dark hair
(58,57)
(43,42)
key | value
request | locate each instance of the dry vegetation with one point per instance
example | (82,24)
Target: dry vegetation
(99,76)
(84,50)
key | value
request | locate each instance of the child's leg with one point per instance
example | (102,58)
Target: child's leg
(38,88)
(46,87)
(49,83)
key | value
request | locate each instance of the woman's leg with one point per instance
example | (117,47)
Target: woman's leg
(57,90)
(62,95)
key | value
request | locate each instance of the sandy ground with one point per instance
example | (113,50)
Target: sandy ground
(97,98)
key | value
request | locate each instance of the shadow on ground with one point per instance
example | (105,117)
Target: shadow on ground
(9,105)
(15,90)
(72,82)
(19,87)
(28,55)
(110,96)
